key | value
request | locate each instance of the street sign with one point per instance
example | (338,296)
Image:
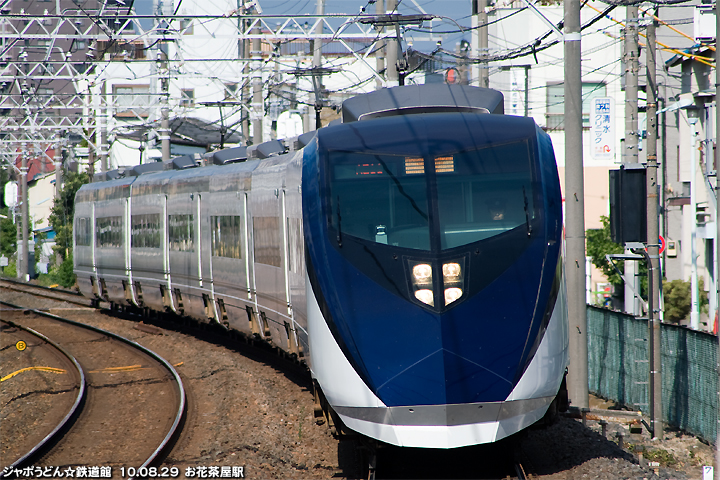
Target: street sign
(602,128)
(662,244)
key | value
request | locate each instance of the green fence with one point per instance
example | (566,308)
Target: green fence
(618,369)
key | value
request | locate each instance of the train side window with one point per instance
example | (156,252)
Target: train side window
(181,233)
(266,235)
(296,245)
(145,231)
(82,232)
(109,232)
(226,237)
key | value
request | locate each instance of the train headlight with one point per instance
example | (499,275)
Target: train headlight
(422,274)
(452,294)
(426,296)
(451,272)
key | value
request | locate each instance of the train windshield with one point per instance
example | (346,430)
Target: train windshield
(456,198)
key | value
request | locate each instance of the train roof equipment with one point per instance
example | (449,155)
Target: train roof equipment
(418,99)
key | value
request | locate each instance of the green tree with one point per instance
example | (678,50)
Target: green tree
(63,212)
(600,244)
(8,234)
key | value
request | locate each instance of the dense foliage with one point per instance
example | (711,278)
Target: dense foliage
(63,212)
(598,245)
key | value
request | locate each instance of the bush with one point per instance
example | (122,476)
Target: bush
(63,274)
(678,299)
(11,270)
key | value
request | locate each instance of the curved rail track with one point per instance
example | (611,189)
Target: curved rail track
(125,381)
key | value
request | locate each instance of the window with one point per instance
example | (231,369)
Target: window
(555,113)
(181,233)
(109,232)
(187,97)
(82,232)
(145,231)
(226,236)
(480,193)
(266,233)
(131,100)
(296,244)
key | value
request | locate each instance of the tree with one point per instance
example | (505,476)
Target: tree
(599,244)
(8,234)
(63,212)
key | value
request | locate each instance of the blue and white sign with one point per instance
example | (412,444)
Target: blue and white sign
(602,128)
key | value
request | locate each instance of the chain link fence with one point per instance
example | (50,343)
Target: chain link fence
(618,369)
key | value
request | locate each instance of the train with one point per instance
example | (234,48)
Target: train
(409,253)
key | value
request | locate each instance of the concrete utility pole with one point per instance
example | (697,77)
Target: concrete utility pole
(716,470)
(380,49)
(391,72)
(575,210)
(104,112)
(317,64)
(632,304)
(653,250)
(23,264)
(257,84)
(58,160)
(482,47)
(245,96)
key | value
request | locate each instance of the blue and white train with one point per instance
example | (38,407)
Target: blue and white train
(412,254)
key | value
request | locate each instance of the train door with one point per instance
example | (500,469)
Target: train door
(128,281)
(183,252)
(269,264)
(225,256)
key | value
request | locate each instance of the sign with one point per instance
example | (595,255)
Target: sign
(11,194)
(662,244)
(602,128)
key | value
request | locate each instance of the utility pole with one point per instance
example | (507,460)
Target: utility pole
(23,265)
(381,45)
(575,210)
(245,95)
(482,32)
(653,250)
(104,112)
(716,470)
(630,156)
(317,64)
(391,71)
(257,98)
(58,160)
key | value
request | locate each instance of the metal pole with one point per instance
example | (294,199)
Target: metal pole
(630,155)
(653,250)
(575,210)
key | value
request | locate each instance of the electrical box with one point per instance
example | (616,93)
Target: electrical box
(628,204)
(672,246)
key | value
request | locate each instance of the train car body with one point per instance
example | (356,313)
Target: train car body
(411,253)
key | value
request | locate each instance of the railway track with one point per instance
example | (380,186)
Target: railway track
(133,408)
(62,295)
